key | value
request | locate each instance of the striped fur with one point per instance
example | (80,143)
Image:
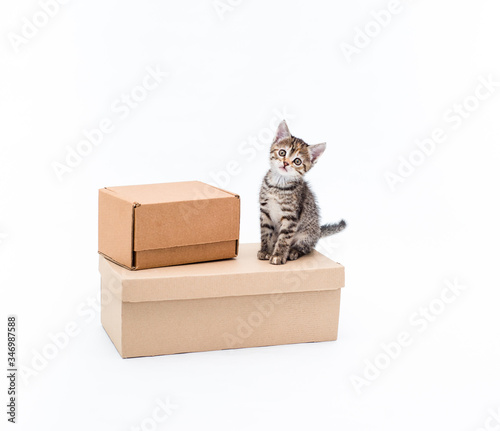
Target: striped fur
(289,214)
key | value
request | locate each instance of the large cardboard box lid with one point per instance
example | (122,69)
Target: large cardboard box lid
(244,275)
(205,213)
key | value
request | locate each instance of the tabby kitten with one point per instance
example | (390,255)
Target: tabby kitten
(289,215)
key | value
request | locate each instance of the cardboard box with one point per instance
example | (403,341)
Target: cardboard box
(242,302)
(158,225)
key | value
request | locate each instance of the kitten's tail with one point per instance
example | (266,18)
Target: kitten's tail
(331,228)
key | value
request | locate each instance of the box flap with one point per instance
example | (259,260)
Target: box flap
(244,275)
(176,224)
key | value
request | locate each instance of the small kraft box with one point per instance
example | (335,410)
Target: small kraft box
(149,226)
(242,302)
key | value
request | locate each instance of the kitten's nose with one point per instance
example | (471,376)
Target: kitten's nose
(285,164)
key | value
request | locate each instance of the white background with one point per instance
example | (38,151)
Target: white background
(227,74)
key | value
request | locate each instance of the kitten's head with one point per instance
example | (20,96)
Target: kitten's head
(291,157)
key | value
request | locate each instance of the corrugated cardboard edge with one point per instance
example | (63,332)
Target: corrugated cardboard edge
(222,190)
(117,263)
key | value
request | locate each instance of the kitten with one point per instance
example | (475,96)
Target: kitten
(289,215)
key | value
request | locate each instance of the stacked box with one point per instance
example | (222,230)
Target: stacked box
(243,302)
(158,225)
(221,302)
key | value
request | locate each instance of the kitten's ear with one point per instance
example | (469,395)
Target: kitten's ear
(282,132)
(315,151)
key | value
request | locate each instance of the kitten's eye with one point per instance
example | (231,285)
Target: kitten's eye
(282,153)
(297,162)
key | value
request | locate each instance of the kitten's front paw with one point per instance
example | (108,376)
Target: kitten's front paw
(277,260)
(263,255)
(294,254)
